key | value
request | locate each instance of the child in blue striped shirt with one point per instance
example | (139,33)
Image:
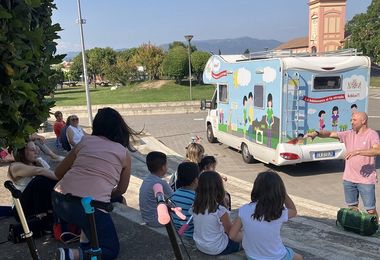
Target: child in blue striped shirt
(187,178)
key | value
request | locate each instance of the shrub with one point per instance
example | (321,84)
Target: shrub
(27,51)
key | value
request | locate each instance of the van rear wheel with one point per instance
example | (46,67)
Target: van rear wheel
(210,134)
(247,157)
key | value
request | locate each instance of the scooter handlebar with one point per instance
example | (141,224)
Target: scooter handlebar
(107,206)
(163,216)
(15,192)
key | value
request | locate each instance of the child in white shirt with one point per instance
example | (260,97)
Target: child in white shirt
(262,219)
(211,218)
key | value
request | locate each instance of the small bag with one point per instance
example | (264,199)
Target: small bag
(358,222)
(66,233)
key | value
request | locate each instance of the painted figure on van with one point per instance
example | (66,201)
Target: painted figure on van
(245,117)
(334,118)
(321,116)
(250,115)
(269,119)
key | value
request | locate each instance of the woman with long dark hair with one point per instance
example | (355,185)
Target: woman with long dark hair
(99,166)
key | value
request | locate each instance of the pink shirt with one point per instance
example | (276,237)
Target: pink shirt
(96,169)
(359,169)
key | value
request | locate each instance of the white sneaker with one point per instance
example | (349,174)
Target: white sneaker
(62,254)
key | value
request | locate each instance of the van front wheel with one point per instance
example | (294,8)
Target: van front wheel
(210,134)
(247,157)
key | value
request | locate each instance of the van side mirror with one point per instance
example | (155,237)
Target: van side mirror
(203,104)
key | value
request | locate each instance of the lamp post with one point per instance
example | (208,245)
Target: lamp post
(188,38)
(81,22)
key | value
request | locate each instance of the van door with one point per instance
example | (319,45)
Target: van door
(212,118)
(294,105)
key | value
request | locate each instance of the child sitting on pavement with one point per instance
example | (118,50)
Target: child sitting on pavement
(58,125)
(183,197)
(211,218)
(157,165)
(262,218)
(194,153)
(208,163)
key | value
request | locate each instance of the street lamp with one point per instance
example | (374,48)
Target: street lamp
(82,21)
(188,38)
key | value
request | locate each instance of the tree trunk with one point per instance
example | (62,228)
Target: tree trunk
(94,79)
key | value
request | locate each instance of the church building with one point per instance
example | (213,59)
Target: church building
(326,28)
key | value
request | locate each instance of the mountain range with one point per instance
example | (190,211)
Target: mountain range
(232,46)
(224,46)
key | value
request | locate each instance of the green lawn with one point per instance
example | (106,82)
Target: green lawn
(375,82)
(134,93)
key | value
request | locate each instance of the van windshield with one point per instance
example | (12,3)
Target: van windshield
(213,101)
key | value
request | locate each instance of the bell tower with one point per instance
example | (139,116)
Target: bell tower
(326,25)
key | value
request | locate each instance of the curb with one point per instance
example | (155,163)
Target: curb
(135,108)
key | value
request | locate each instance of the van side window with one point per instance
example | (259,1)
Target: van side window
(327,83)
(223,93)
(258,96)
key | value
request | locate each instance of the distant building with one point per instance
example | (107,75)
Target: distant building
(296,45)
(66,66)
(326,28)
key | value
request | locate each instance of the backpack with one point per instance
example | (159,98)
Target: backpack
(63,139)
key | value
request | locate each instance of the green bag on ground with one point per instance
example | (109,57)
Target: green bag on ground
(357,221)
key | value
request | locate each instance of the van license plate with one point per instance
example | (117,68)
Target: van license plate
(328,154)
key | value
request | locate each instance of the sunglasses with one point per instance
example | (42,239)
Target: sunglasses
(74,119)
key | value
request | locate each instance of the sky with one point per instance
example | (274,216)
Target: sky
(126,24)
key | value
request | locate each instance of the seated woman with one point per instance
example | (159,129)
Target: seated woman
(99,166)
(34,181)
(74,132)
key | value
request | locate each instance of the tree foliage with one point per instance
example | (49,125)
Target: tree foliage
(124,70)
(27,51)
(57,74)
(99,60)
(181,44)
(175,63)
(364,31)
(150,58)
(76,68)
(198,63)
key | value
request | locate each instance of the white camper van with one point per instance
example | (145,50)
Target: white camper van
(264,104)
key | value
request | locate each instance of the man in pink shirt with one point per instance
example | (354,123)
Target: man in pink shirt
(359,175)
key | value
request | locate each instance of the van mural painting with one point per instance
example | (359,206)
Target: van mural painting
(259,105)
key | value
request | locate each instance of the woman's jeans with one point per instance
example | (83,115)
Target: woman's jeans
(72,212)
